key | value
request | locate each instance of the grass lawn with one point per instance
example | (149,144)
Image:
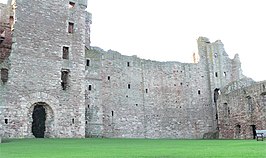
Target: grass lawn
(131,148)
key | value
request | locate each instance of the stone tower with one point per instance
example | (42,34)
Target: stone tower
(220,69)
(46,75)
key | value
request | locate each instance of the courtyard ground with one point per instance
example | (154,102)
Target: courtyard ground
(131,148)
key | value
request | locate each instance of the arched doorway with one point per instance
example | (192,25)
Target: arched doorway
(42,120)
(38,123)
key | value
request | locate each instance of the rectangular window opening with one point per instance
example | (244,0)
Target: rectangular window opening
(216,74)
(128,64)
(198,92)
(73,121)
(128,86)
(87,62)
(89,87)
(112,113)
(65,53)
(64,79)
(70,27)
(6,121)
(108,78)
(146,90)
(4,75)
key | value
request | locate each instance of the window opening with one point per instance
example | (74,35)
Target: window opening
(108,78)
(146,90)
(6,121)
(226,110)
(128,86)
(4,75)
(250,107)
(216,95)
(64,79)
(89,87)
(216,74)
(65,52)
(73,121)
(11,21)
(224,74)
(198,92)
(112,113)
(87,62)
(70,27)
(128,64)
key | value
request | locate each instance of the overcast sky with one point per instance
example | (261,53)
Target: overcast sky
(167,30)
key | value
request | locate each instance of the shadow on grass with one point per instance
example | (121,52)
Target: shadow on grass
(6,140)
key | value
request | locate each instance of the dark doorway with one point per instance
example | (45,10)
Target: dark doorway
(253,128)
(38,124)
(237,131)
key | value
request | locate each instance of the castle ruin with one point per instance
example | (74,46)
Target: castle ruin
(54,84)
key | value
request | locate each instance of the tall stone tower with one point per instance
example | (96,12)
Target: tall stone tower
(47,70)
(220,69)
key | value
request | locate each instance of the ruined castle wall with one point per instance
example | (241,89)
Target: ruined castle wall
(123,114)
(177,104)
(5,34)
(40,32)
(242,110)
(90,92)
(144,98)
(93,93)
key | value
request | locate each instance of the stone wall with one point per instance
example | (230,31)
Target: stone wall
(242,109)
(5,34)
(150,99)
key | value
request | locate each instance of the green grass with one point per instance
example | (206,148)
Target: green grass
(131,148)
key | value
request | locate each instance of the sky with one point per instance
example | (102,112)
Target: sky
(167,30)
